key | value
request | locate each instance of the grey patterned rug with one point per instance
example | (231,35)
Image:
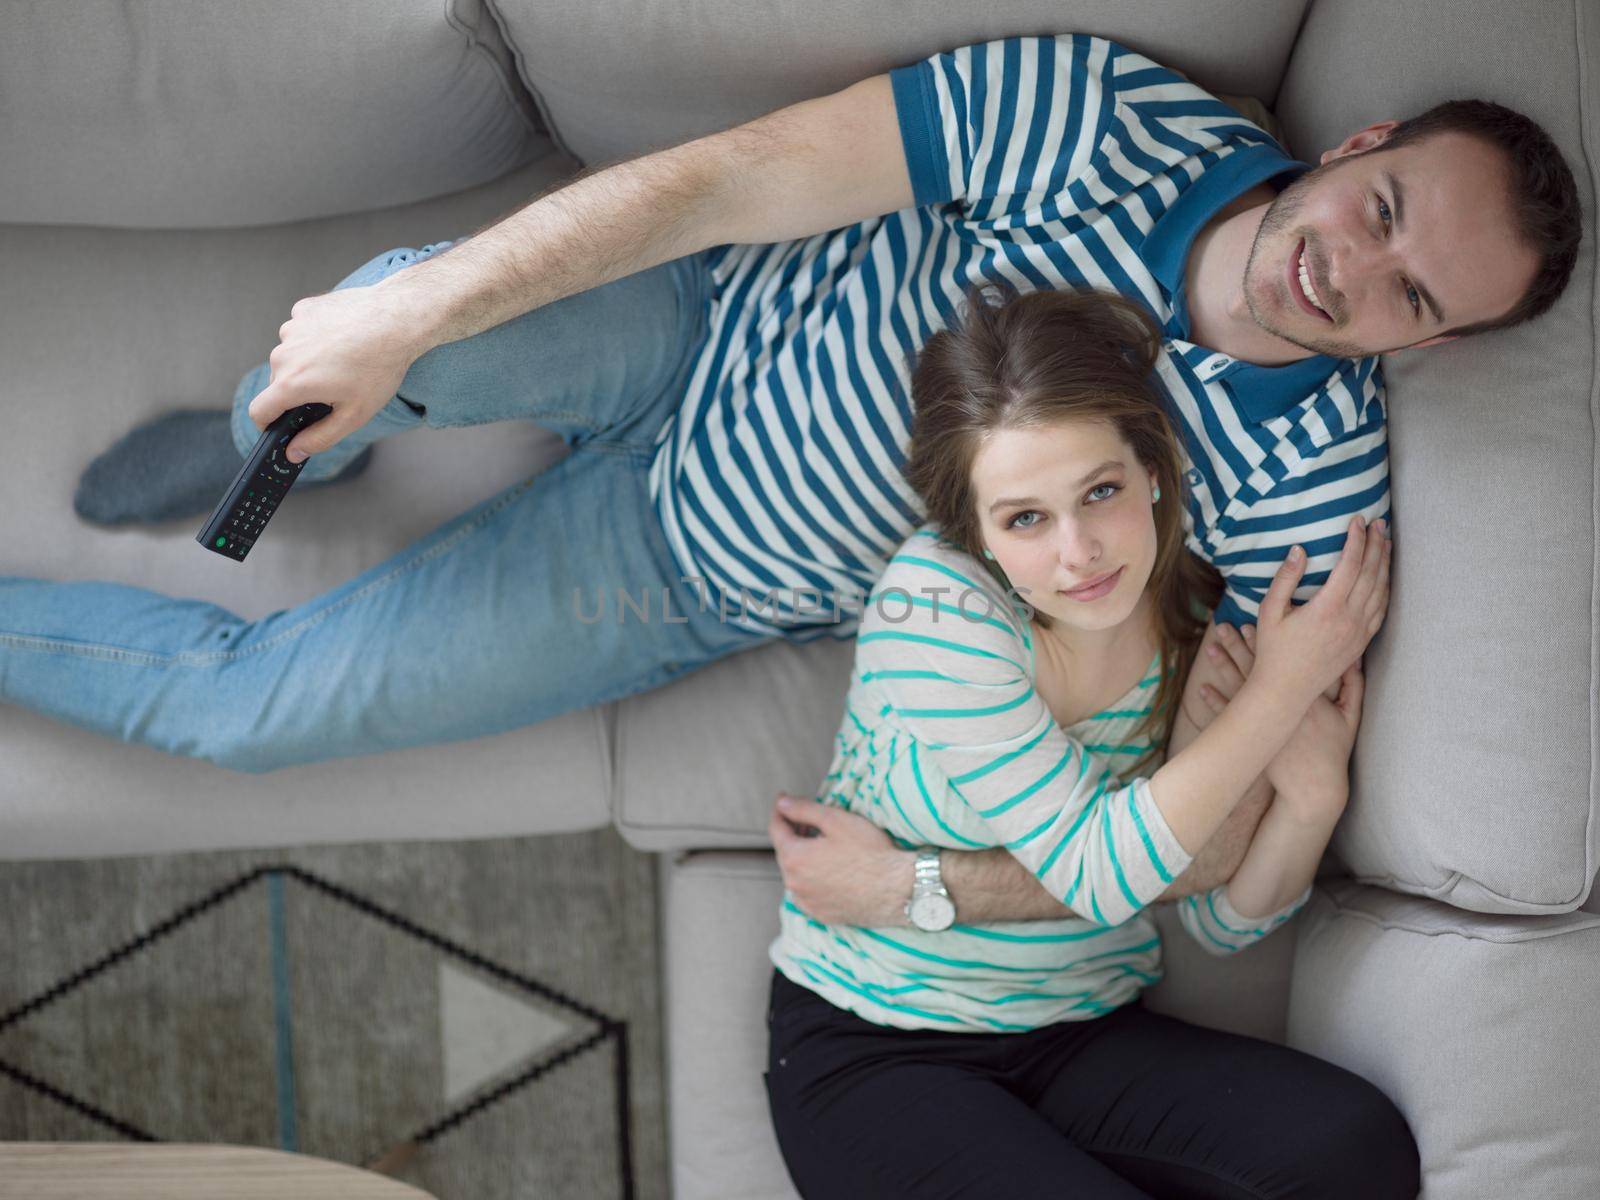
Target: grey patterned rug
(478,1019)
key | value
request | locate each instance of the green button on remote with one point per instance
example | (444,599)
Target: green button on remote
(256,491)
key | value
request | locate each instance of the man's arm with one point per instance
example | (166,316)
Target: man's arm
(991,885)
(850,873)
(804,169)
(801,170)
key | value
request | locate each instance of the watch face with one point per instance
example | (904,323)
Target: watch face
(933,913)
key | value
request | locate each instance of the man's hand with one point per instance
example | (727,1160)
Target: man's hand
(1213,677)
(348,349)
(839,868)
(813,166)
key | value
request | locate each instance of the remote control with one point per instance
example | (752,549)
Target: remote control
(259,487)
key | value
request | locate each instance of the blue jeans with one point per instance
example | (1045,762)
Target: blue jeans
(487,624)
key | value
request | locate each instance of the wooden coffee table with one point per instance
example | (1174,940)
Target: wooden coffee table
(163,1171)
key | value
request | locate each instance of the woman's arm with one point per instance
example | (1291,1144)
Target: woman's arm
(849,871)
(1311,778)
(1300,653)
(1104,850)
(1220,858)
(1280,864)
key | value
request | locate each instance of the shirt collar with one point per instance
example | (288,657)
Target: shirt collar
(1261,393)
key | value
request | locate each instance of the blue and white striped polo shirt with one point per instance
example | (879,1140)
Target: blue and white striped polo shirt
(1042,163)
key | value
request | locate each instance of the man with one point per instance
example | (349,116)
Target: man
(738,414)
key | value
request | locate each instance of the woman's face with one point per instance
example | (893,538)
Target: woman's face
(1066,511)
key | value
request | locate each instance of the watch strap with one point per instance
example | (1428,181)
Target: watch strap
(927,878)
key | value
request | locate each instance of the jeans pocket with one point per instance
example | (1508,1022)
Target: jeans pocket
(795,1008)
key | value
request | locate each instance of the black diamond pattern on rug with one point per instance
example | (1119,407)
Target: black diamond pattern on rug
(460,1038)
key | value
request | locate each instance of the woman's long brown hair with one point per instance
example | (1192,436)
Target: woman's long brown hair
(1033,360)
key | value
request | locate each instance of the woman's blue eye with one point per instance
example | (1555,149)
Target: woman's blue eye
(1110,489)
(1383,210)
(1415,299)
(1017,521)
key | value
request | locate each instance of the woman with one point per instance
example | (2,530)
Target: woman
(1017,672)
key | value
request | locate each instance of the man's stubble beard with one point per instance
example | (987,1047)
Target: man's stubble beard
(1280,216)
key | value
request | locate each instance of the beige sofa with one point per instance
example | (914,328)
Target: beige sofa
(174,182)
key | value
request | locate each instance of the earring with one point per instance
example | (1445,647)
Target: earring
(989,554)
(1156,499)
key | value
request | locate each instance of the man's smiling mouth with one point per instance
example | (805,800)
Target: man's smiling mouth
(1308,292)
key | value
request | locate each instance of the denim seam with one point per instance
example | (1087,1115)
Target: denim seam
(209,657)
(638,451)
(575,416)
(82,650)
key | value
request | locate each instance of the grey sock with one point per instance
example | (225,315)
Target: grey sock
(178,465)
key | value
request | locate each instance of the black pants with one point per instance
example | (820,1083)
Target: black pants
(1128,1105)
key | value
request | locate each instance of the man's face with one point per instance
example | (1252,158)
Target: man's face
(1379,235)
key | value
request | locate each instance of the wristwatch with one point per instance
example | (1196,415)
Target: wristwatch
(930,908)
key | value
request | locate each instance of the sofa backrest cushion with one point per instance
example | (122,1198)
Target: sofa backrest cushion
(1475,769)
(169,113)
(626,76)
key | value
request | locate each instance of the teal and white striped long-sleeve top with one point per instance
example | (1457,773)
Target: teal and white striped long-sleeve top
(946,742)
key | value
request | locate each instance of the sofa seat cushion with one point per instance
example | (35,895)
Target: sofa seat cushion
(699,762)
(106,328)
(1481,1029)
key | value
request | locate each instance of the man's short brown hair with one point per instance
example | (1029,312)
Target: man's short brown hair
(1544,195)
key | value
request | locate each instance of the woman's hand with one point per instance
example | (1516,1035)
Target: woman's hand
(348,349)
(1304,650)
(1311,774)
(839,868)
